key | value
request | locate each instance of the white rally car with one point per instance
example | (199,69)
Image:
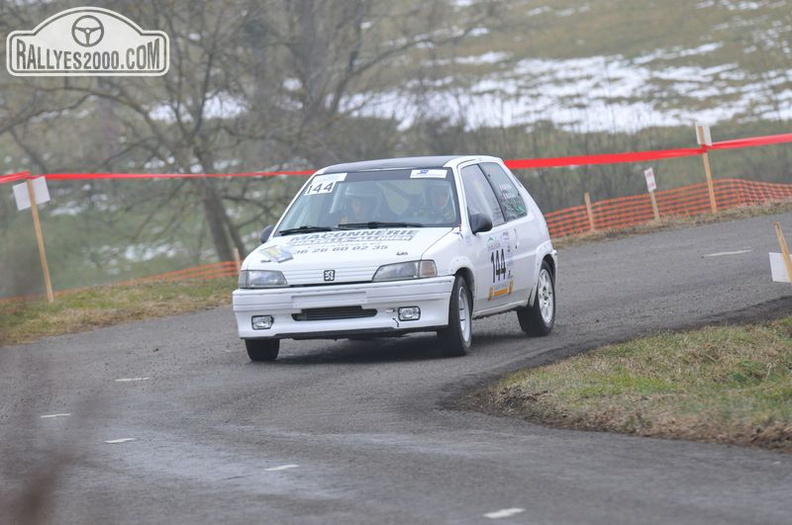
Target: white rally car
(388,247)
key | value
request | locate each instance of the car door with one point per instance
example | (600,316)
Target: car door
(523,224)
(492,252)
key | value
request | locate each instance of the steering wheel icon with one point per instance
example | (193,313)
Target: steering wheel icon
(87,31)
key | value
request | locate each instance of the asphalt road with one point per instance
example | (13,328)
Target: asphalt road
(168,421)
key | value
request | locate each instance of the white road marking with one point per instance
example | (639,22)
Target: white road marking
(131,379)
(721,254)
(50,416)
(117,441)
(505,513)
(282,467)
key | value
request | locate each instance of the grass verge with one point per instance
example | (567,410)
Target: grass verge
(81,310)
(718,384)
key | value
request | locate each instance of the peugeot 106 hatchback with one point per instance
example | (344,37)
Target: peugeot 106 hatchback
(389,247)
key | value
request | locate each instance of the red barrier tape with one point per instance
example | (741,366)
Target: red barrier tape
(83,176)
(552,162)
(755,141)
(615,158)
(14,177)
(610,158)
(78,176)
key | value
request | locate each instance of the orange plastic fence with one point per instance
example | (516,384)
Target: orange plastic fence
(687,201)
(196,273)
(202,273)
(621,212)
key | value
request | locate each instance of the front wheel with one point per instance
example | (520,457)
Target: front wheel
(262,349)
(538,320)
(455,339)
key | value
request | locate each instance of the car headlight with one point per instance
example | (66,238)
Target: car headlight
(261,279)
(406,270)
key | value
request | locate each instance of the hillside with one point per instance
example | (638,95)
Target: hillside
(613,65)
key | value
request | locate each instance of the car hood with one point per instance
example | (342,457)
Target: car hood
(341,256)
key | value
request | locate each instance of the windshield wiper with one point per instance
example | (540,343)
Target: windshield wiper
(306,229)
(377,224)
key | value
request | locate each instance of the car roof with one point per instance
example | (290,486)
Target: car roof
(431,161)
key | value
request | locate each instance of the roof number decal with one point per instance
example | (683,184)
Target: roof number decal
(324,183)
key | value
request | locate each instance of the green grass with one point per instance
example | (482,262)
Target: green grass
(77,311)
(726,384)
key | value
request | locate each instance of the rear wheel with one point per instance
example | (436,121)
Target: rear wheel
(455,339)
(262,349)
(538,320)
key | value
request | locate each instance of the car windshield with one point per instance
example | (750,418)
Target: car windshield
(375,199)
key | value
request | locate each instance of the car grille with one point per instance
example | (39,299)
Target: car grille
(328,314)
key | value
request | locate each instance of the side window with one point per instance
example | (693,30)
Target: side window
(509,198)
(479,194)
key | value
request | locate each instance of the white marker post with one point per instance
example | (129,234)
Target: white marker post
(781,261)
(705,139)
(29,195)
(651,185)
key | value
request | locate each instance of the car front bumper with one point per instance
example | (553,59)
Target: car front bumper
(343,310)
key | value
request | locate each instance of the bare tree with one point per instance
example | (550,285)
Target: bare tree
(281,84)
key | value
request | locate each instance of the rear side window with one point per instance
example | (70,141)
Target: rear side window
(480,197)
(506,192)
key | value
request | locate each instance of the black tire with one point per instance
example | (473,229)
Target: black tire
(262,349)
(538,320)
(455,339)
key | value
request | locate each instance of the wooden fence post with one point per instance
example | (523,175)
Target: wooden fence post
(651,185)
(40,241)
(655,209)
(702,133)
(589,211)
(237,260)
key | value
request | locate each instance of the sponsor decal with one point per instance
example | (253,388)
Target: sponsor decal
(353,236)
(428,174)
(87,41)
(277,254)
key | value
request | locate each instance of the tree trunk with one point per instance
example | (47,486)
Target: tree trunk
(215,217)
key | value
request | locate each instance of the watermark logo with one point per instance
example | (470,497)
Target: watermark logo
(87,41)
(88,31)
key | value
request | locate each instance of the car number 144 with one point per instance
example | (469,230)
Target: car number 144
(498,260)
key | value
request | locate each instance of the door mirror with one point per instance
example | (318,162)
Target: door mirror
(480,223)
(266,232)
